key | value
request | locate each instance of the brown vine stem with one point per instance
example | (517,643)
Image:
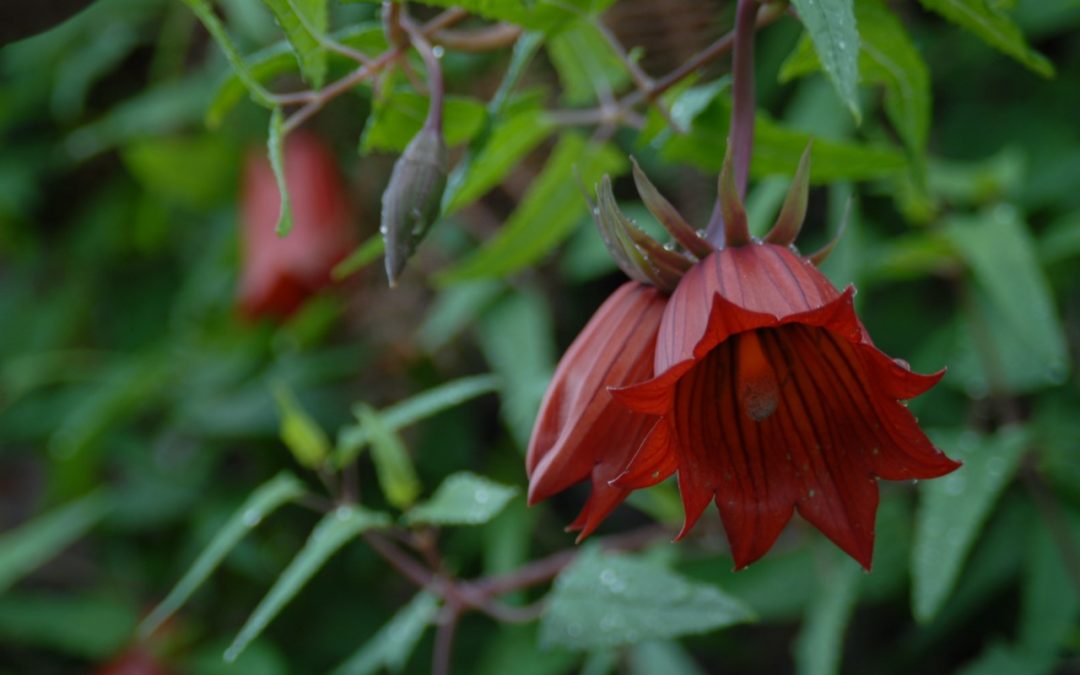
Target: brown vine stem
(485,39)
(444,640)
(584,117)
(314,101)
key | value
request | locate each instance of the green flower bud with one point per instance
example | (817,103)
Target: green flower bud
(411,201)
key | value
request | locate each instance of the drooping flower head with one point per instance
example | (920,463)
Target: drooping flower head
(279,273)
(768,396)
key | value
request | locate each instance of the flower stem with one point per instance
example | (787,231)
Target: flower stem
(741,135)
(435,76)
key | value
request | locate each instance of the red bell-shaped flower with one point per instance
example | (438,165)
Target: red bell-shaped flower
(772,398)
(279,273)
(581,431)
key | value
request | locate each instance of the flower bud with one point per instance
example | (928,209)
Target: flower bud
(411,201)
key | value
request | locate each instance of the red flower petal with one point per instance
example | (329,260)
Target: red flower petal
(581,432)
(776,410)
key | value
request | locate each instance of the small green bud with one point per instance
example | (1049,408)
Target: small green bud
(411,201)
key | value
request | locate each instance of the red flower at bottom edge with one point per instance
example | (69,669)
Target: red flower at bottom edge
(772,398)
(581,432)
(279,273)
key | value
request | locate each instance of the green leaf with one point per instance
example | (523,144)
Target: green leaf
(455,309)
(299,432)
(831,26)
(777,149)
(33,544)
(353,439)
(390,648)
(993,26)
(887,57)
(73,623)
(463,499)
(400,116)
(820,644)
(509,142)
(547,214)
(205,12)
(586,64)
(275,143)
(397,477)
(952,510)
(304,23)
(335,530)
(266,499)
(198,171)
(1002,659)
(604,599)
(361,257)
(517,338)
(545,15)
(1001,254)
(278,59)
(1048,612)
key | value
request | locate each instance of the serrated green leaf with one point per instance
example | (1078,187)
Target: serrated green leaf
(606,599)
(463,499)
(1001,254)
(353,439)
(278,59)
(390,648)
(34,543)
(831,27)
(820,644)
(267,498)
(887,57)
(205,13)
(517,337)
(993,26)
(586,64)
(400,116)
(394,467)
(275,144)
(336,529)
(301,434)
(304,22)
(547,214)
(952,510)
(508,143)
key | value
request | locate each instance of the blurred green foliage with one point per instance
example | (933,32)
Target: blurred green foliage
(140,414)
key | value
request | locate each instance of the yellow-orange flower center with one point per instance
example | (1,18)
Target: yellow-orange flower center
(755,379)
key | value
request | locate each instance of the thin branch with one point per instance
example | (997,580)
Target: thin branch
(434,68)
(444,640)
(487,39)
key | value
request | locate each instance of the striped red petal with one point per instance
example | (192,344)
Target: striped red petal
(773,399)
(581,432)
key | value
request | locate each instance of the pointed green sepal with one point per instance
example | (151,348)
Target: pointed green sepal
(669,217)
(793,213)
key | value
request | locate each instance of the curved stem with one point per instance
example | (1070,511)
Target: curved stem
(434,68)
(741,133)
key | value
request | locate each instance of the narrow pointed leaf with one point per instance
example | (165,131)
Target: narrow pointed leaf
(276,148)
(33,544)
(301,434)
(389,649)
(353,439)
(992,25)
(952,511)
(832,29)
(668,216)
(820,644)
(304,22)
(822,254)
(397,477)
(793,212)
(463,499)
(604,600)
(205,14)
(335,530)
(266,499)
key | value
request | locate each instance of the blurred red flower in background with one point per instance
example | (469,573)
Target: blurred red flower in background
(279,273)
(764,391)
(581,432)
